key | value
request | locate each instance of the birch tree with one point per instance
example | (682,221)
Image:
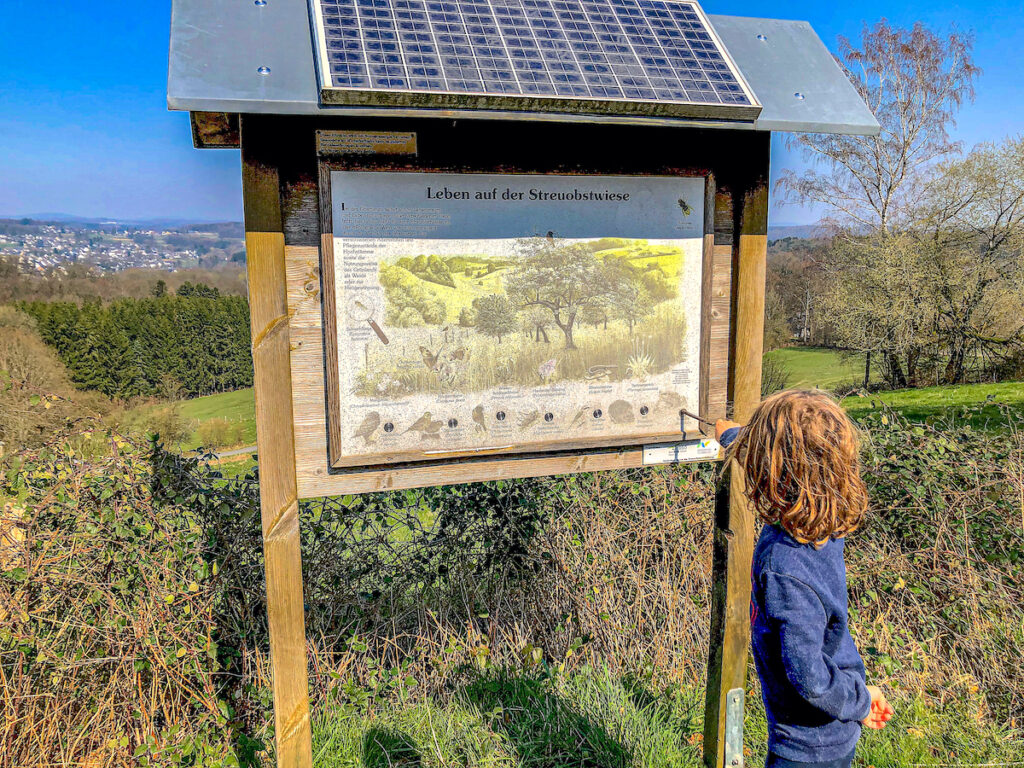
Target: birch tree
(914,81)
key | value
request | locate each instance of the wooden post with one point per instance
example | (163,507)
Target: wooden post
(733,545)
(265,260)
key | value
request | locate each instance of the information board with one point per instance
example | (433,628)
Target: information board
(478,313)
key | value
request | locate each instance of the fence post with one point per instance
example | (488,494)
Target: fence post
(733,544)
(275,440)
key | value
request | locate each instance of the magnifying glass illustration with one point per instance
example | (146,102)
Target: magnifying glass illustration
(361,309)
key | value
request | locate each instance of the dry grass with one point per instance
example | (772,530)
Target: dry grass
(403,604)
(516,359)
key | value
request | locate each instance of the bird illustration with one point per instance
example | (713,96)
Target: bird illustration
(547,369)
(478,418)
(432,431)
(550,236)
(599,371)
(529,419)
(621,412)
(423,423)
(431,359)
(581,414)
(368,428)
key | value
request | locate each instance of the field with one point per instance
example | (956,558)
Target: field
(814,367)
(237,407)
(984,403)
(233,406)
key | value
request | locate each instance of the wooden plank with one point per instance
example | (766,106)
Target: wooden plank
(750,286)
(707,281)
(732,549)
(214,130)
(734,517)
(720,317)
(268,306)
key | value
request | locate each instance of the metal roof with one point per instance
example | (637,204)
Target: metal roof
(241,57)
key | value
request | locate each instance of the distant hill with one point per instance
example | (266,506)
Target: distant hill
(235,229)
(798,231)
(194,225)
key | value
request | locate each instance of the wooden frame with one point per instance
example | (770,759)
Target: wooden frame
(308,238)
(284,234)
(561,448)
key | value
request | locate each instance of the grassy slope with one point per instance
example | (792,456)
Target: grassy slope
(986,402)
(816,367)
(233,406)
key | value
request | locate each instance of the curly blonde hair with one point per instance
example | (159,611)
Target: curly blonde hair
(800,455)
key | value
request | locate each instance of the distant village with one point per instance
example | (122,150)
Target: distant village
(47,246)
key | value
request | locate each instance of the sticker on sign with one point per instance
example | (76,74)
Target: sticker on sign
(677,453)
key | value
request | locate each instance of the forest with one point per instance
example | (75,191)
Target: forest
(192,343)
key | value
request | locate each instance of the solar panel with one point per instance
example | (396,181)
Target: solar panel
(648,57)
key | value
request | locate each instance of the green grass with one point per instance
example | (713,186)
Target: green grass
(235,467)
(597,720)
(985,406)
(234,406)
(819,367)
(238,406)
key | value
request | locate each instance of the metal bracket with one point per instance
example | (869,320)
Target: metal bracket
(734,728)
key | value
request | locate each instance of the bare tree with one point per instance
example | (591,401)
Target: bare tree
(878,299)
(947,291)
(971,223)
(914,81)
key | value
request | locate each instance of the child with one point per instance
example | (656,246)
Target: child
(800,457)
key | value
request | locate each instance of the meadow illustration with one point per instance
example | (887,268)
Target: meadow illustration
(542,312)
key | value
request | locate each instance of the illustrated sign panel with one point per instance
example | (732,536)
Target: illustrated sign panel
(481,313)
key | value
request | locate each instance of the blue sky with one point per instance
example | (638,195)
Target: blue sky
(84,127)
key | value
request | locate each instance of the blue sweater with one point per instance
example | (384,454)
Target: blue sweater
(812,677)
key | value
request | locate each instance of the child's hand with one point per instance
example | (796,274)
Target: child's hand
(723,424)
(881,711)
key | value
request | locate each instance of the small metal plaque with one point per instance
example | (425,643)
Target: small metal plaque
(734,728)
(678,453)
(365,143)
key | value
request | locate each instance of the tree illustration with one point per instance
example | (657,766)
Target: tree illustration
(535,322)
(631,301)
(495,315)
(564,280)
(596,315)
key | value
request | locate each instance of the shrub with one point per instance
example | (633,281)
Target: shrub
(168,423)
(218,433)
(35,391)
(112,647)
(134,596)
(774,376)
